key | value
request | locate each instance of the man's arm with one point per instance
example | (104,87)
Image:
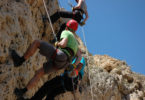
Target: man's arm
(78,6)
(86,16)
(62,43)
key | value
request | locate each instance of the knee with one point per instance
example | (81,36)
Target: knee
(37,42)
(39,72)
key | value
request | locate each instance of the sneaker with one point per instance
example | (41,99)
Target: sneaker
(17,59)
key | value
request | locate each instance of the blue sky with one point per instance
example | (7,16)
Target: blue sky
(116,28)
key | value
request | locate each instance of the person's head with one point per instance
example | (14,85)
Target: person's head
(72,25)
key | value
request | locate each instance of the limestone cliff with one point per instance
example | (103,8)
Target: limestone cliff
(21,22)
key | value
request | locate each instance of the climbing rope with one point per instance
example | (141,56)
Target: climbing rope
(73,90)
(49,19)
(88,63)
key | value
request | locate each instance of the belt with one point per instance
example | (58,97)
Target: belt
(69,52)
(81,11)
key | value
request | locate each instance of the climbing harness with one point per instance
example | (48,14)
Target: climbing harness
(54,54)
(49,19)
(88,63)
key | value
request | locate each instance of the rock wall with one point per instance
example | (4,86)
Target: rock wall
(21,23)
(113,79)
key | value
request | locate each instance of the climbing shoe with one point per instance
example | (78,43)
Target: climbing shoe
(19,92)
(17,59)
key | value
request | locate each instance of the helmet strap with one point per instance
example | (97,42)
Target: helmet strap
(70,29)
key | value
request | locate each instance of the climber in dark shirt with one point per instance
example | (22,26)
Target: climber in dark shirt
(77,14)
(68,81)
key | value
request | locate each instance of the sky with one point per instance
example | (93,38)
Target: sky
(115,28)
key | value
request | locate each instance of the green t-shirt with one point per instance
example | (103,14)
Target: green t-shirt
(72,42)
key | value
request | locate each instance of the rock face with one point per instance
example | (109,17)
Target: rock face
(21,23)
(112,79)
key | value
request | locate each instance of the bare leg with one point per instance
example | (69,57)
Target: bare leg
(35,79)
(32,49)
(18,60)
(31,84)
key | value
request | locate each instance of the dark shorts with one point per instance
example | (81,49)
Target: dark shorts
(61,59)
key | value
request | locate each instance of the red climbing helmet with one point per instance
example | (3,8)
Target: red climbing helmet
(72,24)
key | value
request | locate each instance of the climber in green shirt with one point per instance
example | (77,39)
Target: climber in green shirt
(72,43)
(56,58)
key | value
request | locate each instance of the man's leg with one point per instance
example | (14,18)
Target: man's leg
(66,14)
(30,51)
(35,79)
(46,50)
(58,14)
(31,84)
(47,89)
(77,16)
(57,90)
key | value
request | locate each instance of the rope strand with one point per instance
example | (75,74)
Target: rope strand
(49,19)
(88,63)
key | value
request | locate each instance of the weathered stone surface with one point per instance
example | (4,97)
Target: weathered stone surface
(21,23)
